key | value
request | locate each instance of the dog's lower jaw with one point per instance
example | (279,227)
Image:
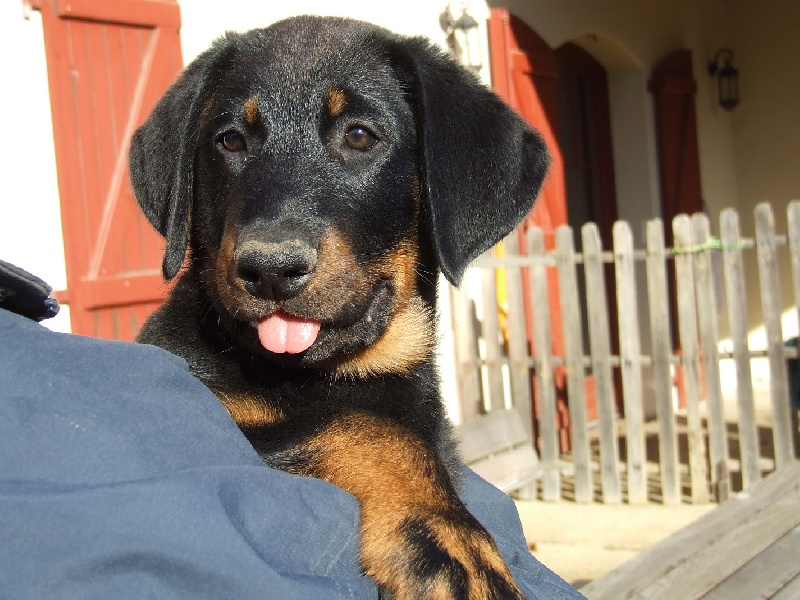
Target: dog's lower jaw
(392,336)
(408,340)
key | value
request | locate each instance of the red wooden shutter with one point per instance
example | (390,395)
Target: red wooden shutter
(674,88)
(107,62)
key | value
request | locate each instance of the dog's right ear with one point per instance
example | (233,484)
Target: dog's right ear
(162,154)
(481,165)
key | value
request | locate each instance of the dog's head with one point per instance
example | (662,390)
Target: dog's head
(322,171)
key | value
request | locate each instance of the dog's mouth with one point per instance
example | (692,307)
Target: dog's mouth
(293,337)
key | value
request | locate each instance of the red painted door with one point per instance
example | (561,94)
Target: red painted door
(587,154)
(524,74)
(585,135)
(108,62)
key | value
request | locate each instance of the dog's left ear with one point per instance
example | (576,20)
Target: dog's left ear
(482,165)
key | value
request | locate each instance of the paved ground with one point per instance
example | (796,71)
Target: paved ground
(582,542)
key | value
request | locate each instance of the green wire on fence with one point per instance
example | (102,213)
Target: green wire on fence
(713,243)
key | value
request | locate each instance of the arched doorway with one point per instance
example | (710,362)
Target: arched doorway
(584,135)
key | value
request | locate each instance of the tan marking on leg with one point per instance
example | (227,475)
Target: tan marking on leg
(251,110)
(337,101)
(397,478)
(380,462)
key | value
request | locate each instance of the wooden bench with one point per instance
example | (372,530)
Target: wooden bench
(748,548)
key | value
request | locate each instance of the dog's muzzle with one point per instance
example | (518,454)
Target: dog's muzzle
(278,271)
(275,271)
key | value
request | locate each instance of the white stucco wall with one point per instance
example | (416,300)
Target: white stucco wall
(203,21)
(30,215)
(766,139)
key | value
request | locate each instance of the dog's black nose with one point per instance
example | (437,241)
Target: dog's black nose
(275,270)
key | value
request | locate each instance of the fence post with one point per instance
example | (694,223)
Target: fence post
(545,381)
(573,359)
(601,361)
(518,358)
(660,336)
(687,328)
(519,367)
(462,311)
(771,306)
(736,299)
(491,341)
(709,336)
(793,218)
(630,361)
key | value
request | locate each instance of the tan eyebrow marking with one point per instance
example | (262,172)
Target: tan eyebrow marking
(336,102)
(251,110)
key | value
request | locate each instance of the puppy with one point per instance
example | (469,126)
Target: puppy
(321,173)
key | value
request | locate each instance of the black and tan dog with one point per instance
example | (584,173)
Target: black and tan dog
(321,173)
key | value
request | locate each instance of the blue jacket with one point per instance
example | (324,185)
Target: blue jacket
(122,476)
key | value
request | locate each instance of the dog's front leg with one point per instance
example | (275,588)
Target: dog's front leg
(418,539)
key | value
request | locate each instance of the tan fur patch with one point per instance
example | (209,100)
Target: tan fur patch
(248,410)
(381,463)
(207,106)
(410,337)
(400,265)
(337,278)
(337,101)
(251,110)
(222,269)
(397,478)
(408,341)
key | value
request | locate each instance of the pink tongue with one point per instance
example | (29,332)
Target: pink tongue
(281,333)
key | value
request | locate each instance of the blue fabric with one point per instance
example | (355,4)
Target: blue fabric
(121,476)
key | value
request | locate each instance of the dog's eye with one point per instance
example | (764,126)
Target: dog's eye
(360,138)
(233,141)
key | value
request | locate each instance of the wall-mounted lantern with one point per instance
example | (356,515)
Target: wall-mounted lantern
(727,78)
(463,36)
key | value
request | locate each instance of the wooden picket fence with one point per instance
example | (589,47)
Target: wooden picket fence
(689,457)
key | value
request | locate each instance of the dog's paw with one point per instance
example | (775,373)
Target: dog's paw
(438,556)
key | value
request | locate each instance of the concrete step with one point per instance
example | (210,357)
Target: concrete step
(581,542)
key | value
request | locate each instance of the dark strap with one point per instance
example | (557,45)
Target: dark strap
(25,294)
